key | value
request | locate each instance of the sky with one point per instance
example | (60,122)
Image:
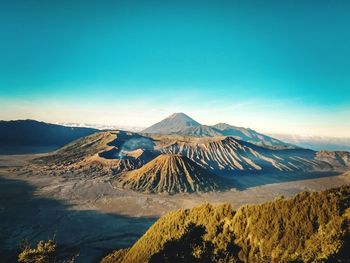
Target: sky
(274,66)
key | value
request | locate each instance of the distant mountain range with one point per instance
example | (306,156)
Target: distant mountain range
(180,123)
(29,136)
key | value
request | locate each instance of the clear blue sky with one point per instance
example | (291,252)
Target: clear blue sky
(279,66)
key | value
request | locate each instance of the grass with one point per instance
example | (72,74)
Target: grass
(311,227)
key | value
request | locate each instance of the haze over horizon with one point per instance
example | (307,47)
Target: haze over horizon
(277,67)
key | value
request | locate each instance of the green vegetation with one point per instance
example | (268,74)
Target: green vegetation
(311,227)
(191,247)
(116,256)
(43,253)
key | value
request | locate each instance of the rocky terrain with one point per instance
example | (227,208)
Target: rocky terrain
(172,174)
(114,152)
(96,155)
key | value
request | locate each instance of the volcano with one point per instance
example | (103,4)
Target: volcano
(171,174)
(182,124)
(175,123)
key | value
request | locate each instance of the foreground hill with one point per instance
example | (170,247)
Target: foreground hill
(181,124)
(29,136)
(311,227)
(172,174)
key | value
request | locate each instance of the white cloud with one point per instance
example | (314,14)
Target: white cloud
(268,116)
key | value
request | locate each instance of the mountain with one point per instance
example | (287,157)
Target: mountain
(172,174)
(115,152)
(172,124)
(224,155)
(249,135)
(311,227)
(335,158)
(201,131)
(101,153)
(29,136)
(181,124)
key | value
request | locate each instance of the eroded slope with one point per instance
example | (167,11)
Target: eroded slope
(172,174)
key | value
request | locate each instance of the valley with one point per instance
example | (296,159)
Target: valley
(103,191)
(106,218)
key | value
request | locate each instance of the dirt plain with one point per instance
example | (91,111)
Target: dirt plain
(90,217)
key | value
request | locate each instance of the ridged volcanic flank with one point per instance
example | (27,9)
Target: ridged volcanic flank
(169,173)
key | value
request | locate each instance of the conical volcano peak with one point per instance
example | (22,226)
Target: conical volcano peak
(172,174)
(175,123)
(180,115)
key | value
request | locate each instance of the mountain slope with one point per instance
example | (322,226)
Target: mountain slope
(200,131)
(171,174)
(172,124)
(225,154)
(335,158)
(30,134)
(100,153)
(311,227)
(240,133)
(114,152)
(181,124)
(248,135)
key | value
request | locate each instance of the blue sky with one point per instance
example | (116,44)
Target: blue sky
(275,66)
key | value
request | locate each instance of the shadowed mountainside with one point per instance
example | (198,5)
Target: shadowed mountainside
(29,136)
(311,227)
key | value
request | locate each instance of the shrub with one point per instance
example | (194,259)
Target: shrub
(43,253)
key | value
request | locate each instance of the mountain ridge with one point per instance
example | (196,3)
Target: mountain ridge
(113,152)
(33,134)
(182,124)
